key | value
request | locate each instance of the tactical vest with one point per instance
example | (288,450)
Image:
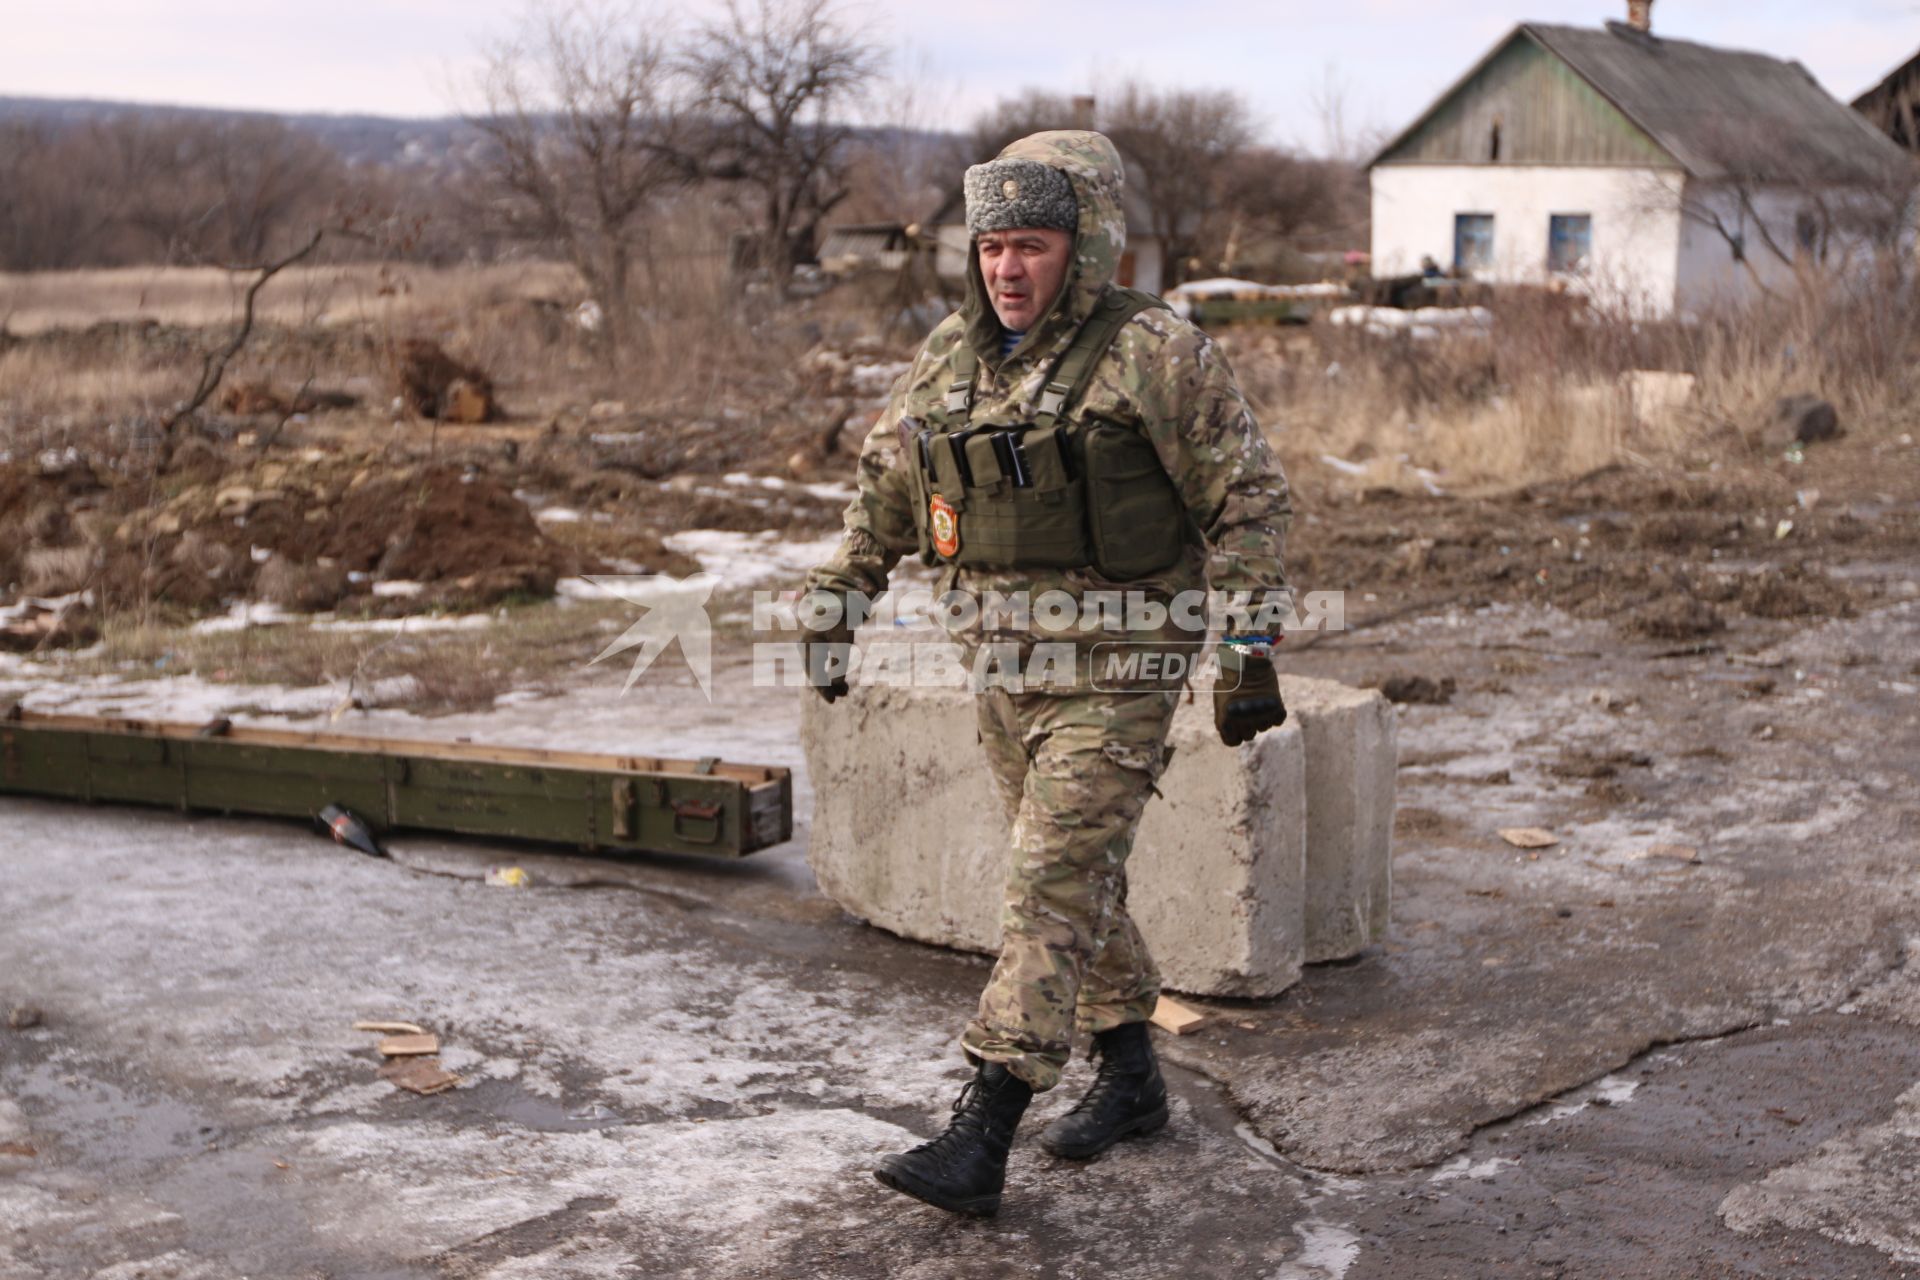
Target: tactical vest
(1056,493)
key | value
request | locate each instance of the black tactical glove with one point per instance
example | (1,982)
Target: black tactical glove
(827,645)
(1247,698)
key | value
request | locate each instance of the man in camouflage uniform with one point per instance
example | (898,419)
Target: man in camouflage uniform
(1073,763)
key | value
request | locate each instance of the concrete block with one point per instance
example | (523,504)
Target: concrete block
(908,834)
(1351,760)
(1217,878)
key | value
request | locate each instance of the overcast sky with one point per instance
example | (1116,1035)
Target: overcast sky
(399,57)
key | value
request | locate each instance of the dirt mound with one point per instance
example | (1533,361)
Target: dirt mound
(258,398)
(251,397)
(200,535)
(435,385)
(461,529)
(303,588)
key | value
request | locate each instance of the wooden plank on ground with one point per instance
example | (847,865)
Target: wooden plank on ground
(419,1075)
(1179,1019)
(407,1046)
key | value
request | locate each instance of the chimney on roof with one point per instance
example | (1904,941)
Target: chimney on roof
(1640,15)
(1083,111)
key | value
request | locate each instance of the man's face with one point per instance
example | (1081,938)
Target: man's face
(1023,269)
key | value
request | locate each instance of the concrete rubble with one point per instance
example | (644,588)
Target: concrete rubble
(1251,862)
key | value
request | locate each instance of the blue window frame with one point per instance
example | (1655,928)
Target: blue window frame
(1472,241)
(1569,241)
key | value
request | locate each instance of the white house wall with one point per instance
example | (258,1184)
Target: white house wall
(1710,276)
(1635,249)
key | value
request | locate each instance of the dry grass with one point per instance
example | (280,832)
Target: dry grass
(347,294)
(40,380)
(1547,394)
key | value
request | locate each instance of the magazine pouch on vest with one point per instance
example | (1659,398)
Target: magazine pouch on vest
(1053,493)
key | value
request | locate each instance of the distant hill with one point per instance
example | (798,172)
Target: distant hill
(432,143)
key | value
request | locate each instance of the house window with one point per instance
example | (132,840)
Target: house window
(1472,241)
(1493,141)
(1569,241)
(1806,233)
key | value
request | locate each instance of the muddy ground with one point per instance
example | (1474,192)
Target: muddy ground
(1589,1062)
(1685,1041)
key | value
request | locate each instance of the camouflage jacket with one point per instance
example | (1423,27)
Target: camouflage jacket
(1162,376)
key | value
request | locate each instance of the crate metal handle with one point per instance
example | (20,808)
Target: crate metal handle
(696,811)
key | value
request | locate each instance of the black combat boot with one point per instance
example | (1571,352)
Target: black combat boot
(1128,1097)
(964,1168)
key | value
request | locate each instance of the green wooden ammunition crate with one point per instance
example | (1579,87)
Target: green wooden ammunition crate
(599,802)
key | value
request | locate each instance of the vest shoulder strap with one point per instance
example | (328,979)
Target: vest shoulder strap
(1117,306)
(966,366)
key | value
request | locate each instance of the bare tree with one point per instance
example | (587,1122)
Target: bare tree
(777,80)
(1030,111)
(582,116)
(1791,212)
(158,185)
(54,212)
(213,366)
(220,189)
(903,163)
(1182,142)
(1272,201)
(1178,146)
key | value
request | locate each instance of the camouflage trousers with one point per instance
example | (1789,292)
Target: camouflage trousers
(1074,772)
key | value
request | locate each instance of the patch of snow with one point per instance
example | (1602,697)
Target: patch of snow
(558,515)
(27,606)
(1610,1090)
(1425,323)
(742,560)
(744,1189)
(192,700)
(1615,1090)
(878,377)
(1326,1252)
(244,614)
(398,588)
(376,626)
(1464,1167)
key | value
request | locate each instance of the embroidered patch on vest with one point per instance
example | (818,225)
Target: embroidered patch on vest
(944,522)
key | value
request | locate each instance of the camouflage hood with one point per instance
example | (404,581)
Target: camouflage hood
(1093,167)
